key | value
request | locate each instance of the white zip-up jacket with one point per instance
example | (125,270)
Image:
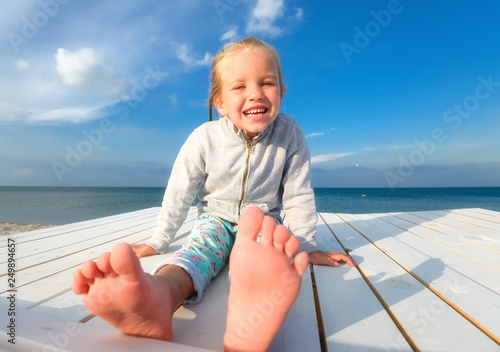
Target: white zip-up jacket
(230,173)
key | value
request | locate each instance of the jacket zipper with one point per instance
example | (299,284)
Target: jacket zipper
(245,175)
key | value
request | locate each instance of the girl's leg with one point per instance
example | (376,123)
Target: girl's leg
(116,289)
(205,254)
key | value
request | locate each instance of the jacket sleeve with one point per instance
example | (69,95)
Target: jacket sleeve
(298,196)
(183,185)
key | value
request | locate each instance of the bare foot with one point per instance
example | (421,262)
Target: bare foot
(116,289)
(264,283)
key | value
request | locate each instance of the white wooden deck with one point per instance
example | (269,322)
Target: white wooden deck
(427,281)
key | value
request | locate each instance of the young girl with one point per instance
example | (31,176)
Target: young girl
(253,156)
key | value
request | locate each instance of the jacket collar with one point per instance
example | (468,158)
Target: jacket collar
(231,130)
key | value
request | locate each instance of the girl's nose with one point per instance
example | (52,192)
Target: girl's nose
(256,93)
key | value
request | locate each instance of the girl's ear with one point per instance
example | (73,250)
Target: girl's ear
(220,106)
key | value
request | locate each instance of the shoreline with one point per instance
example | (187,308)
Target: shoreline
(12,228)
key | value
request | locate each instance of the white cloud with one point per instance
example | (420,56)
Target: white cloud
(263,16)
(315,134)
(22,65)
(299,13)
(198,103)
(73,115)
(328,157)
(174,99)
(40,116)
(231,35)
(185,57)
(87,70)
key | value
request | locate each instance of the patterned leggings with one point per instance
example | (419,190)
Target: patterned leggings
(206,252)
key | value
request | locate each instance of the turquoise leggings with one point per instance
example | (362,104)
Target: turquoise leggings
(205,253)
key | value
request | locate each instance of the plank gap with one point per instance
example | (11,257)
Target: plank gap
(319,316)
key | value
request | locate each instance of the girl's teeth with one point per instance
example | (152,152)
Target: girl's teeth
(256,112)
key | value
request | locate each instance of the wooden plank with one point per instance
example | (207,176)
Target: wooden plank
(61,239)
(485,211)
(87,224)
(78,254)
(39,332)
(204,324)
(47,255)
(484,276)
(478,254)
(470,220)
(473,229)
(70,306)
(484,242)
(54,277)
(300,330)
(478,214)
(431,323)
(349,307)
(452,278)
(48,268)
(198,325)
(75,242)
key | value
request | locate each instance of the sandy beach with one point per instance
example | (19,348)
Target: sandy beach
(11,228)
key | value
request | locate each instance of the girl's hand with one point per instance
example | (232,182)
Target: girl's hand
(143,250)
(330,258)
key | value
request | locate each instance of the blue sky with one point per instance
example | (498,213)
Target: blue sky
(388,93)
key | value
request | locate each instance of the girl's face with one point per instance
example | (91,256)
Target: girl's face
(251,95)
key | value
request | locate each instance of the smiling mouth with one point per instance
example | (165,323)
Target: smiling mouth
(255,112)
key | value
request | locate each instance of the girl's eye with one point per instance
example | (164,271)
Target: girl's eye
(239,87)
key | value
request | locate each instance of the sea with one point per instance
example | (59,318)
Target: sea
(62,205)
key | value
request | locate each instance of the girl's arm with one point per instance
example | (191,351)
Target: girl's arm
(298,196)
(299,204)
(330,258)
(184,182)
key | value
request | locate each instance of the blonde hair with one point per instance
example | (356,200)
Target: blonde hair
(222,58)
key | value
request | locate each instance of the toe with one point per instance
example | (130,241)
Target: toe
(280,237)
(80,284)
(125,263)
(266,233)
(250,224)
(301,262)
(292,245)
(89,270)
(103,263)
